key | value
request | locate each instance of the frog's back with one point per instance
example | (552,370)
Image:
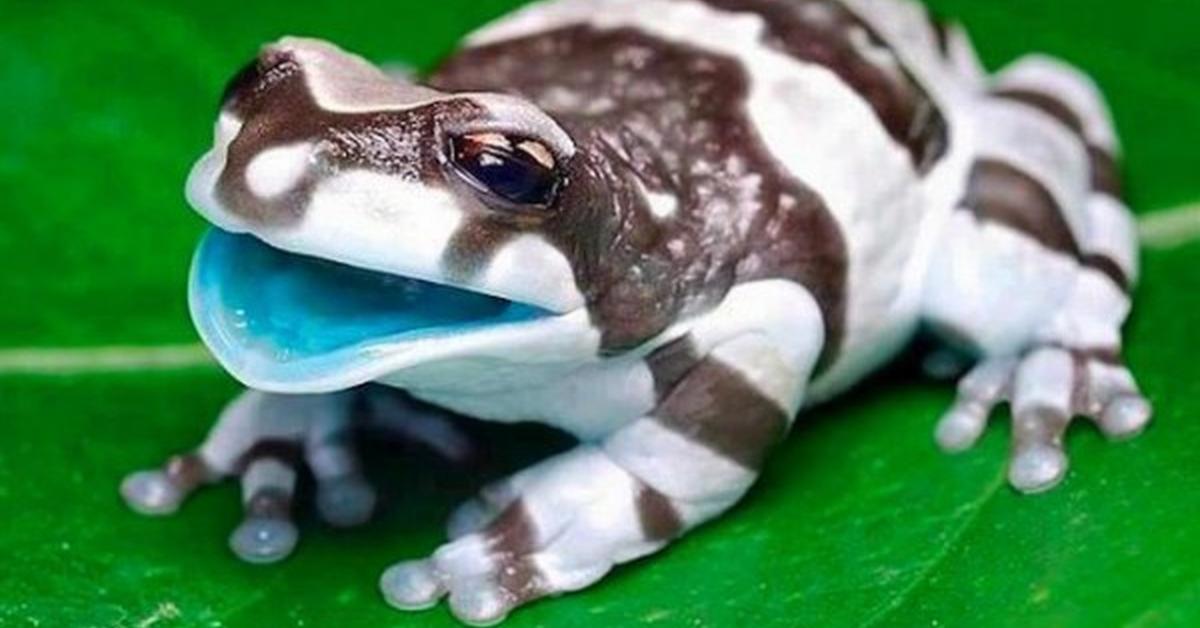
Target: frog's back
(838,111)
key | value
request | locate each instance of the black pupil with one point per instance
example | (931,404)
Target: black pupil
(510,174)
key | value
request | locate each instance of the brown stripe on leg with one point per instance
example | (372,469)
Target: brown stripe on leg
(1045,103)
(267,534)
(1106,177)
(1106,173)
(160,491)
(285,451)
(659,519)
(512,538)
(1108,267)
(1001,193)
(719,408)
(669,364)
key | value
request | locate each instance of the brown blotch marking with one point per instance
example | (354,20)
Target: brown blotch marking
(658,517)
(717,407)
(1000,193)
(677,125)
(512,538)
(1109,268)
(818,31)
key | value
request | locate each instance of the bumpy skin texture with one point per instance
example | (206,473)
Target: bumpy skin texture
(718,211)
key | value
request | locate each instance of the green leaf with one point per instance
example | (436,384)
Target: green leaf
(857,521)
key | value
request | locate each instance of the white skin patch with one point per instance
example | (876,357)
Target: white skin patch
(203,177)
(278,170)
(995,284)
(376,221)
(530,270)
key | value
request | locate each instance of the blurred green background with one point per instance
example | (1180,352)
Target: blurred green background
(858,521)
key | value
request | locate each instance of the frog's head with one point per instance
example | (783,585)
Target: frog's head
(367,226)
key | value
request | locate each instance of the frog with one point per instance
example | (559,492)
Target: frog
(665,227)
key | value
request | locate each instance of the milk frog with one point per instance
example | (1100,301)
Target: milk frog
(666,227)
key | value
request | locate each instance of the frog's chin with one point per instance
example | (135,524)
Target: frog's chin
(285,322)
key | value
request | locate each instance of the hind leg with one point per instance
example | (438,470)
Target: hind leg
(1034,272)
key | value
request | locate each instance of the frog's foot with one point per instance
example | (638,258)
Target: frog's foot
(556,527)
(1046,388)
(263,439)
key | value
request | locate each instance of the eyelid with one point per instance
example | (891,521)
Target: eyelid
(539,152)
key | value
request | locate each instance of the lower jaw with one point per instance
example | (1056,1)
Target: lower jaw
(281,320)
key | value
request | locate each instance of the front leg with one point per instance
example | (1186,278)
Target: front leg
(264,438)
(561,525)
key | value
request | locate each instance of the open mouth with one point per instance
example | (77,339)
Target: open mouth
(279,318)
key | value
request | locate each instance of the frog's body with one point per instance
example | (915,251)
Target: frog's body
(694,217)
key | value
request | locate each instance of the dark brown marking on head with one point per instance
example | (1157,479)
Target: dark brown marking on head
(825,32)
(717,407)
(473,246)
(287,452)
(1108,267)
(669,364)
(659,519)
(1000,193)
(273,101)
(269,503)
(648,114)
(512,538)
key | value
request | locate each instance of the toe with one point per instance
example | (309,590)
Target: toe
(263,540)
(466,557)
(479,602)
(411,585)
(1037,468)
(346,502)
(961,427)
(151,493)
(1125,417)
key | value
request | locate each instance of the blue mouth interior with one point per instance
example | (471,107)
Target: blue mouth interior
(268,314)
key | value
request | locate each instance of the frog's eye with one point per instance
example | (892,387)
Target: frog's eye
(519,172)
